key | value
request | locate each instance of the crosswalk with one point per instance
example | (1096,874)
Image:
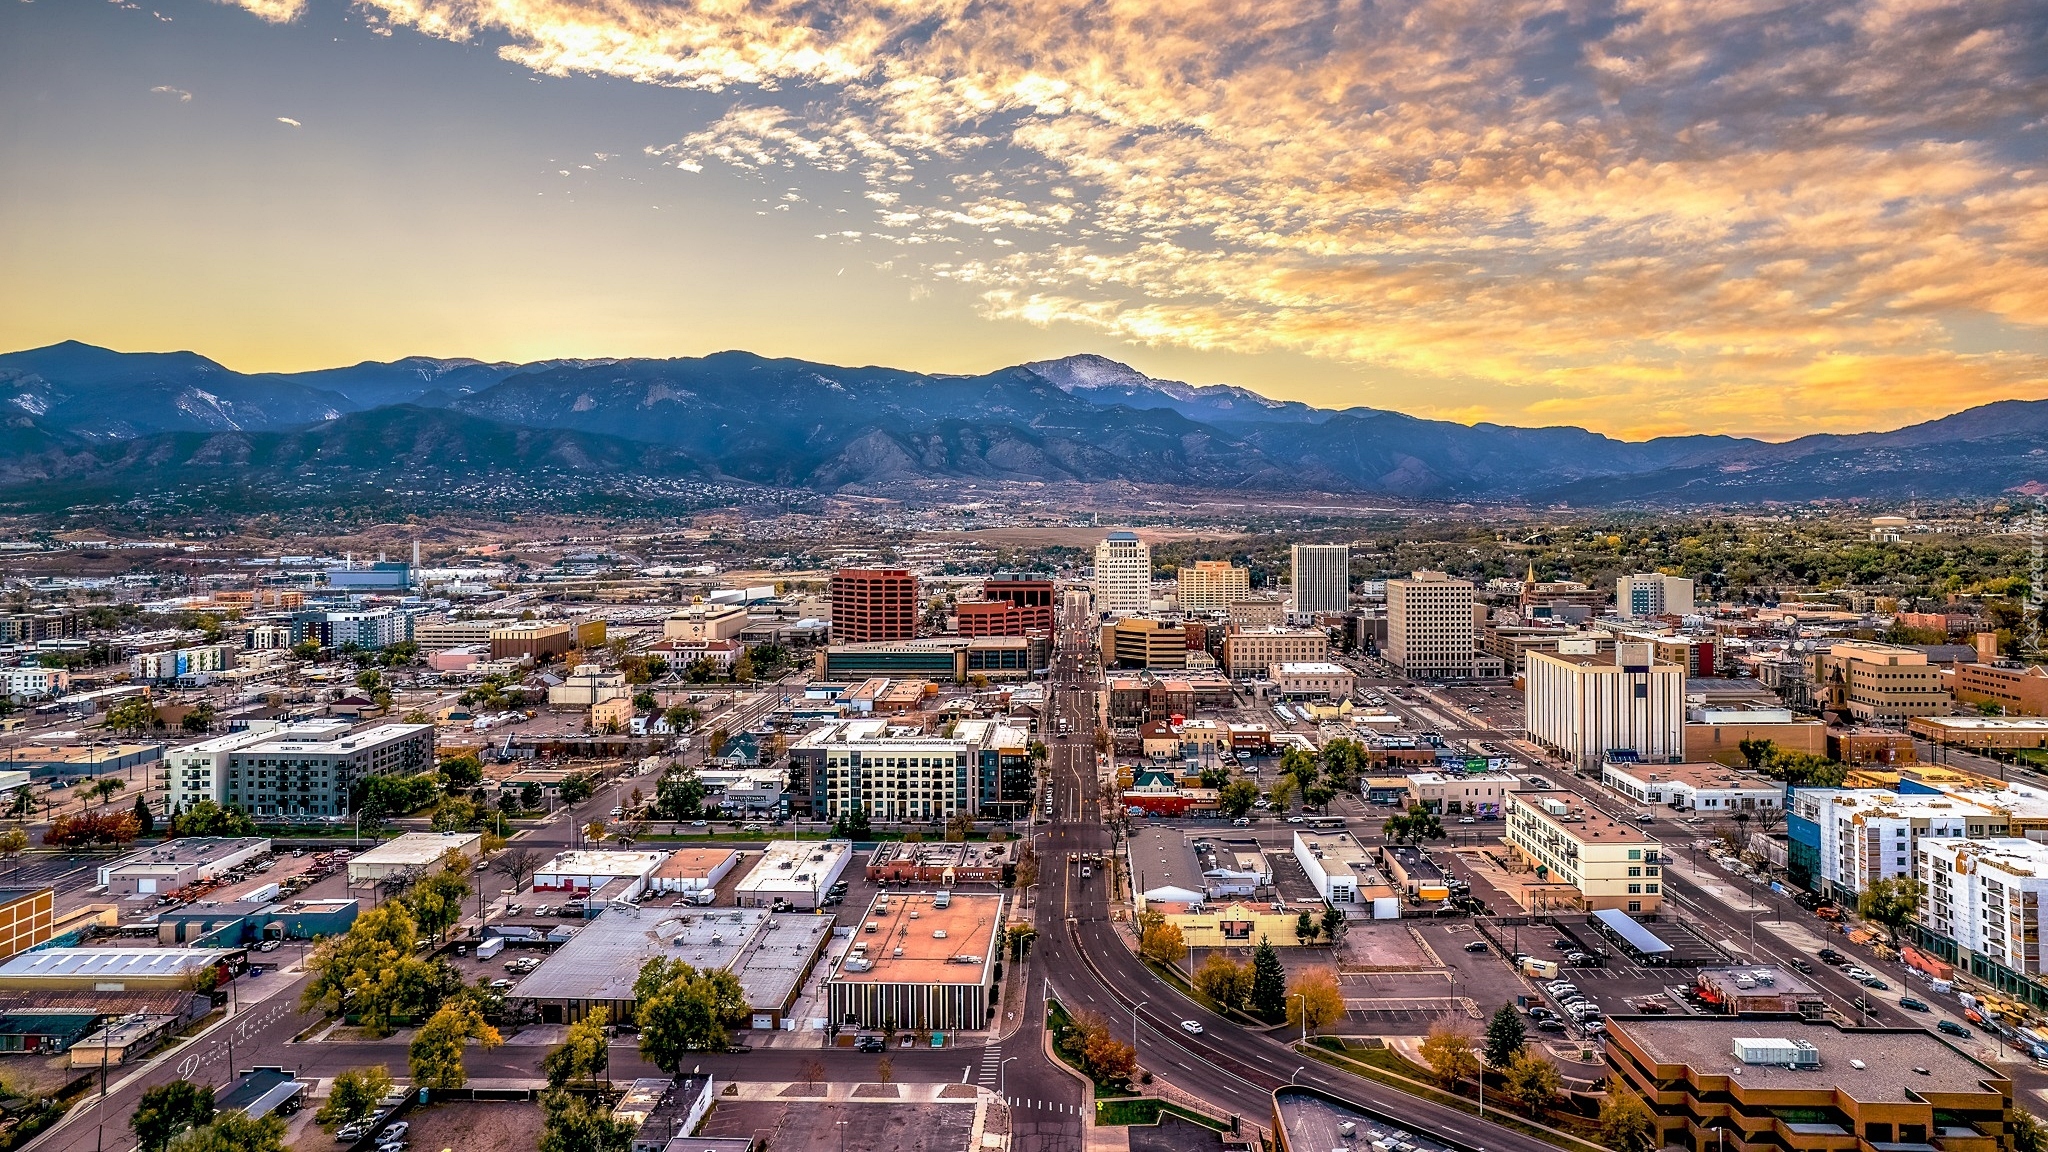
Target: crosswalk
(991,1064)
(1046,1106)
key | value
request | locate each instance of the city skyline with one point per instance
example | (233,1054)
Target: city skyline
(1645,220)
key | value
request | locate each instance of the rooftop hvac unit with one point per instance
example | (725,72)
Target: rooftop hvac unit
(938,933)
(1776,1050)
(942,898)
(898,953)
(913,913)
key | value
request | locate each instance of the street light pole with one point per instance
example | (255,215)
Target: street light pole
(1134,1024)
(1303,997)
(1003,1078)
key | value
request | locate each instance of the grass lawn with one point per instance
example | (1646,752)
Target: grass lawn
(1147,1110)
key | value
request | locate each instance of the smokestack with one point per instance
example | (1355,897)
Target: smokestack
(415,553)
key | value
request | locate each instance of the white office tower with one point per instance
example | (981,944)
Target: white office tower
(1652,594)
(1123,574)
(1429,624)
(1322,578)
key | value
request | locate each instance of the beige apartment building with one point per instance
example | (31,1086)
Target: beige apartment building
(1254,651)
(1213,586)
(1871,681)
(1430,624)
(1610,863)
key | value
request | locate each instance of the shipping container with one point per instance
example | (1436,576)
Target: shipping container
(490,948)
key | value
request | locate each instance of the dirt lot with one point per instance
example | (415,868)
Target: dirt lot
(465,1126)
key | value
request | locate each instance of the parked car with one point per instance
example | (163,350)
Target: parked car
(869,1044)
(1802,965)
(1874,982)
(1476,946)
(1646,818)
(1912,1004)
(1577,958)
(397,1130)
(1952,1028)
(1830,956)
(1467,820)
(1549,1025)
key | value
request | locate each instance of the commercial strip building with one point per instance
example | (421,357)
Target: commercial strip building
(1586,707)
(1461,793)
(871,605)
(1211,585)
(923,962)
(411,854)
(1345,876)
(1170,866)
(1608,863)
(1430,624)
(1982,733)
(983,769)
(1322,579)
(693,870)
(596,967)
(1736,1084)
(1252,652)
(175,864)
(1871,681)
(1123,574)
(948,658)
(799,872)
(1313,680)
(944,864)
(1710,787)
(583,871)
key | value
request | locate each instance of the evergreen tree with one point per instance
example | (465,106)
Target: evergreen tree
(144,818)
(1505,1036)
(1269,983)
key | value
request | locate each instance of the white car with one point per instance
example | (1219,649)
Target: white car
(1191,1027)
(1294,820)
(397,1131)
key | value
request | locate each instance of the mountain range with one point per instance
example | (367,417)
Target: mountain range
(76,418)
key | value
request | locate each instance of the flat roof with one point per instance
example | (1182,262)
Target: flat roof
(189,850)
(111,963)
(1582,823)
(416,848)
(10,895)
(1988,723)
(1708,775)
(1890,1057)
(774,963)
(601,862)
(1161,857)
(78,753)
(1640,938)
(785,863)
(335,746)
(1309,668)
(693,863)
(602,961)
(1783,983)
(930,938)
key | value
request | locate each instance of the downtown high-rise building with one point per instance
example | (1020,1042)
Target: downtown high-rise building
(1430,624)
(1123,574)
(1212,585)
(1322,578)
(1652,594)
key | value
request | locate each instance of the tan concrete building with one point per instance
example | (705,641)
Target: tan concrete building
(1253,651)
(1611,864)
(1717,733)
(531,641)
(705,622)
(1141,642)
(1586,706)
(1430,624)
(26,916)
(2020,689)
(1872,681)
(1258,612)
(1982,732)
(1212,585)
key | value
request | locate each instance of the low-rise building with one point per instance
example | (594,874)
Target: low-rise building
(1717,733)
(775,963)
(796,871)
(1143,642)
(1312,680)
(174,864)
(1982,733)
(1413,872)
(116,969)
(923,962)
(1342,871)
(693,869)
(706,622)
(1710,787)
(1787,1085)
(532,641)
(1252,652)
(586,685)
(27,919)
(1860,746)
(1870,681)
(411,854)
(2017,689)
(581,871)
(1763,991)
(1481,794)
(1610,864)
(942,864)
(957,659)
(597,966)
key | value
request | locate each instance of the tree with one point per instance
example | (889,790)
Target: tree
(1505,1036)
(573,1123)
(145,818)
(1160,941)
(436,901)
(104,788)
(1223,980)
(1531,1081)
(680,794)
(1891,903)
(1269,983)
(1315,997)
(134,716)
(373,972)
(1020,937)
(233,1132)
(1282,792)
(885,1070)
(517,862)
(354,1096)
(530,797)
(435,1056)
(207,818)
(198,718)
(714,742)
(459,773)
(456,814)
(168,1109)
(1215,776)
(2025,1130)
(854,825)
(14,841)
(574,789)
(1237,797)
(1108,1059)
(1414,826)
(1305,926)
(683,1010)
(583,1055)
(1626,1124)
(91,828)
(1333,924)
(1756,753)
(1448,1051)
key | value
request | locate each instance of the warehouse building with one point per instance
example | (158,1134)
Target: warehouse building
(693,869)
(581,871)
(920,963)
(411,854)
(172,865)
(1343,874)
(117,969)
(796,871)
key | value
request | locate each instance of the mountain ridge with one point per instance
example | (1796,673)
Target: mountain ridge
(75,413)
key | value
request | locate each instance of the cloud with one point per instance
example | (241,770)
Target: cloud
(183,96)
(1756,215)
(275,11)
(289,122)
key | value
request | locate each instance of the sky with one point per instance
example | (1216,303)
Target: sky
(1648,217)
